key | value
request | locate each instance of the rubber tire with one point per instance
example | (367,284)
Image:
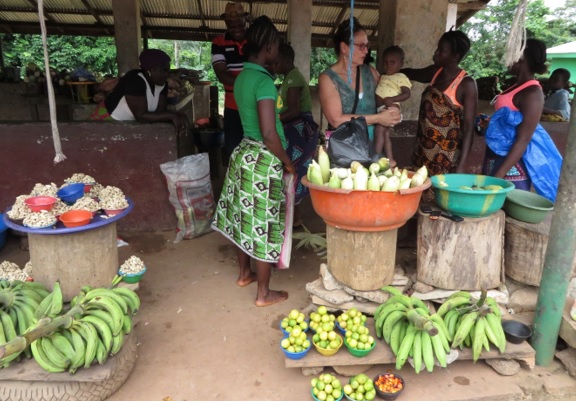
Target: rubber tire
(12,390)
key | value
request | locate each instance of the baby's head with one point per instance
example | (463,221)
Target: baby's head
(393,59)
(559,79)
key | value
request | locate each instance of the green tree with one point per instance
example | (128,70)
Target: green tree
(490,28)
(97,54)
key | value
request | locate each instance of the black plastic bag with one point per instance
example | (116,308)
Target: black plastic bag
(349,142)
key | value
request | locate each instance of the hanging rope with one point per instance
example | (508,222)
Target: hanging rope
(51,100)
(517,37)
(351,43)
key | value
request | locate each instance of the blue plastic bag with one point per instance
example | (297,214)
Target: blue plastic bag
(542,159)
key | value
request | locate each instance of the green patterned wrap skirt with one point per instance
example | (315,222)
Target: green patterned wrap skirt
(251,209)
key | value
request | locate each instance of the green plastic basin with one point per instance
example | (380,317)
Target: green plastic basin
(527,206)
(470,202)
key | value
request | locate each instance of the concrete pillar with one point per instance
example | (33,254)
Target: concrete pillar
(300,33)
(416,26)
(127,33)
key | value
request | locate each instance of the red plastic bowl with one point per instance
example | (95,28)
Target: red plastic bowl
(76,218)
(113,212)
(358,210)
(39,203)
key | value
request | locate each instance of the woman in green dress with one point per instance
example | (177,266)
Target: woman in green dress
(251,208)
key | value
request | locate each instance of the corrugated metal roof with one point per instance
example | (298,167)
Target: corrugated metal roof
(188,19)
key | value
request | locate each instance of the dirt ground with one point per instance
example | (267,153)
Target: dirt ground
(202,338)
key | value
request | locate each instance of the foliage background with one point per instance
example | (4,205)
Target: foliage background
(488,30)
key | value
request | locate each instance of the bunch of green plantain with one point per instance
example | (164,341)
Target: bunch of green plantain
(100,318)
(473,322)
(18,301)
(406,324)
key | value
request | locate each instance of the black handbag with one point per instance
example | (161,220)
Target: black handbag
(349,142)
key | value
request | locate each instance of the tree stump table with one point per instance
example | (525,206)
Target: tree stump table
(466,255)
(525,249)
(362,260)
(78,256)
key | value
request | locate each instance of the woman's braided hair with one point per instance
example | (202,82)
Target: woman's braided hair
(458,42)
(260,33)
(535,56)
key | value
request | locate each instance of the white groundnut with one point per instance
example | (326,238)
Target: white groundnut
(11,271)
(112,198)
(86,203)
(19,210)
(132,265)
(95,190)
(80,177)
(59,208)
(28,268)
(44,190)
(39,220)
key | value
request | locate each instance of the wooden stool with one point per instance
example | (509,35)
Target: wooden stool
(363,261)
(525,249)
(466,255)
(77,259)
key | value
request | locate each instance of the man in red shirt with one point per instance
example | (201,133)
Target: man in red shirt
(228,61)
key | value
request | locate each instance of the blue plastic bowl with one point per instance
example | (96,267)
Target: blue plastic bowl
(470,202)
(296,355)
(71,193)
(3,231)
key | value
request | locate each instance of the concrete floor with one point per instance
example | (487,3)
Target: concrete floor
(202,338)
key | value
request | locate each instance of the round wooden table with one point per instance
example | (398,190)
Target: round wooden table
(78,256)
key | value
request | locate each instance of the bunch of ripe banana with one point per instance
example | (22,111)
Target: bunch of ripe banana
(407,325)
(18,301)
(473,322)
(99,320)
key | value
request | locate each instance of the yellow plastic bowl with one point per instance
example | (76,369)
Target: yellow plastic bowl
(329,352)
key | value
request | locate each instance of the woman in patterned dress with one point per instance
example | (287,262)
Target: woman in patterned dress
(447,108)
(251,208)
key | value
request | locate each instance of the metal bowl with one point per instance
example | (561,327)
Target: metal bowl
(516,332)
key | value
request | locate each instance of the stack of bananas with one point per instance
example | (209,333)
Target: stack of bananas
(473,322)
(101,317)
(18,302)
(406,324)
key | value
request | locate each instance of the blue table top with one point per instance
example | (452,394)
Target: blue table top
(99,220)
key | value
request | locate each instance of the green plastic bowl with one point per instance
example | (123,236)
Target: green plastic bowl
(133,278)
(527,206)
(359,353)
(470,202)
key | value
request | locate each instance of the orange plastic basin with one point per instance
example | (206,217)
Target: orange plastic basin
(358,210)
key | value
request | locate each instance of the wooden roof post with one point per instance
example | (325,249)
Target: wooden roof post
(299,32)
(127,34)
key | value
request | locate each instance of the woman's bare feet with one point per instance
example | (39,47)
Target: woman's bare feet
(244,281)
(273,297)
